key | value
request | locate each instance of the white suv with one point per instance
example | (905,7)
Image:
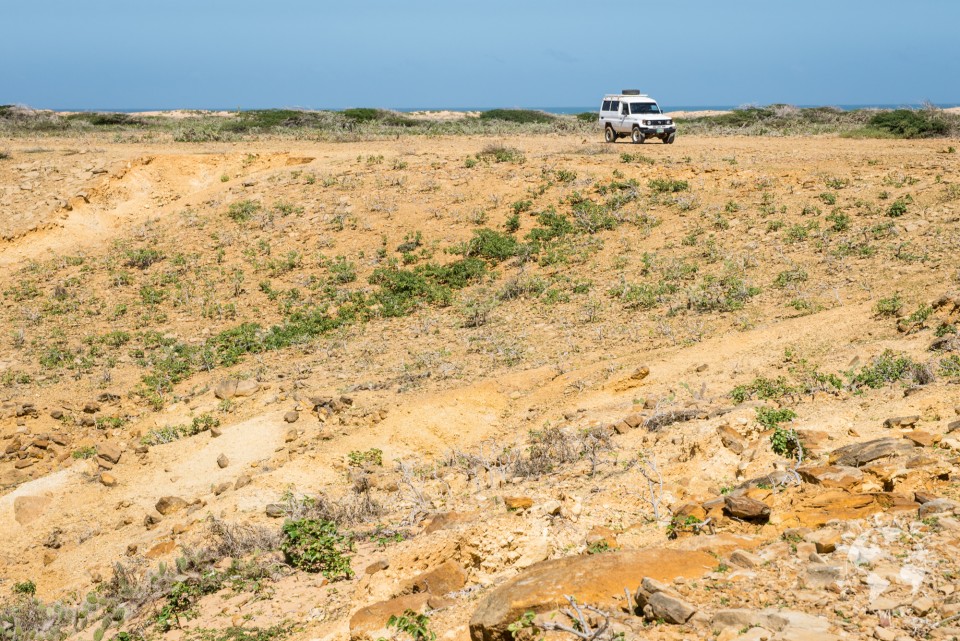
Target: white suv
(637,115)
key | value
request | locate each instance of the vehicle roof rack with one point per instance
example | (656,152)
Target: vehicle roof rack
(631,92)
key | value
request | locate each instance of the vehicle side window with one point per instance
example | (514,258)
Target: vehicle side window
(606,105)
(614,105)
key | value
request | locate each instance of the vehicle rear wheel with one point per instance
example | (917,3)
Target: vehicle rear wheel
(669,139)
(637,136)
(609,135)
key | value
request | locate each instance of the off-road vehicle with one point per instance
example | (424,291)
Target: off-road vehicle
(634,114)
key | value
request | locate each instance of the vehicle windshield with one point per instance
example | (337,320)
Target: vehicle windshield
(644,108)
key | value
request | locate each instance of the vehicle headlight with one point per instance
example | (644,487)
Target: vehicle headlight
(646,122)
(669,121)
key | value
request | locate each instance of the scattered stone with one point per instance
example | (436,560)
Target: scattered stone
(221,488)
(552,507)
(377,566)
(292,416)
(170,504)
(215,431)
(731,439)
(953,427)
(657,601)
(923,605)
(109,452)
(600,535)
(222,461)
(937,506)
(91,408)
(225,389)
(276,510)
(242,481)
(826,540)
(291,435)
(742,507)
(858,454)
(822,575)
(595,579)
(248,387)
(745,559)
(901,421)
(518,502)
(921,438)
(832,476)
(56,415)
(108,479)
(448,577)
(370,621)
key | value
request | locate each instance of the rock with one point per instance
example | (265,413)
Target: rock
(518,502)
(825,540)
(552,507)
(737,618)
(108,479)
(670,608)
(377,566)
(731,439)
(937,506)
(292,416)
(901,421)
(832,504)
(821,575)
(92,407)
(745,559)
(923,605)
(221,488)
(595,579)
(27,509)
(634,421)
(884,634)
(56,414)
(291,435)
(109,452)
(953,427)
(225,389)
(242,481)
(832,476)
(369,621)
(602,536)
(276,510)
(215,431)
(447,577)
(170,504)
(748,509)
(248,387)
(921,438)
(858,454)
(161,549)
(222,461)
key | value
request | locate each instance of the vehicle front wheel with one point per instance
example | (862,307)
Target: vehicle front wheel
(669,139)
(637,136)
(609,135)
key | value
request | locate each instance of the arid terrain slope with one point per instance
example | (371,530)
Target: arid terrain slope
(496,372)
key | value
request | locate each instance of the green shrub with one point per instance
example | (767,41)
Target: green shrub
(666,186)
(950,367)
(828,198)
(764,389)
(243,210)
(359,458)
(588,116)
(501,153)
(490,245)
(720,294)
(28,588)
(909,123)
(315,545)
(519,116)
(142,258)
(551,226)
(897,208)
(795,275)
(886,369)
(889,306)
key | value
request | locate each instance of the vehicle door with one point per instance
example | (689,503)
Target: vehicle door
(616,115)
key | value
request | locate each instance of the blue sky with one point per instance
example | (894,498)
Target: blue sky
(486,53)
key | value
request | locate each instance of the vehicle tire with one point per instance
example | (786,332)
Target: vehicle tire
(669,139)
(637,136)
(609,135)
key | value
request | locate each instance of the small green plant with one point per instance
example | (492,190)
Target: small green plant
(888,307)
(667,186)
(28,588)
(897,208)
(358,458)
(770,417)
(416,626)
(599,547)
(887,368)
(840,220)
(315,545)
(243,210)
(828,197)
(84,452)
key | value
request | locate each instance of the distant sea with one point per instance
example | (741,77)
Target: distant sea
(552,110)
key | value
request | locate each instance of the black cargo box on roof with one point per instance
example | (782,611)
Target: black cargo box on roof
(631,92)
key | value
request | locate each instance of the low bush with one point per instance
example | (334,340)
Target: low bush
(910,123)
(520,116)
(317,546)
